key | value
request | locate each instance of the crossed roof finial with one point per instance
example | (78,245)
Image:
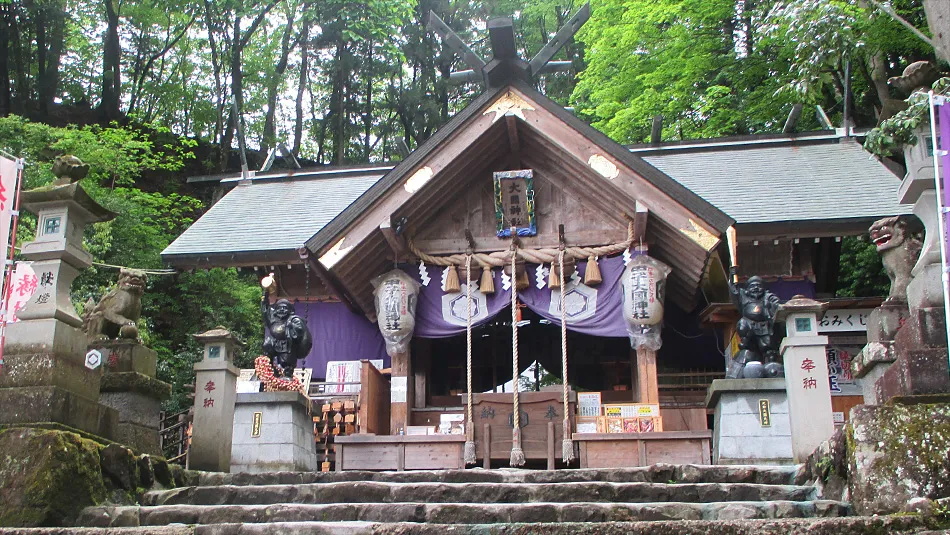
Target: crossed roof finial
(505,65)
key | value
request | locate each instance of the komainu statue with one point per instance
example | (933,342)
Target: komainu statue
(898,241)
(115,315)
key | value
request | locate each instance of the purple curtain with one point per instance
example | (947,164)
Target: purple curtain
(595,311)
(789,289)
(339,334)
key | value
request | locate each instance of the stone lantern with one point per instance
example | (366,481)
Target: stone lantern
(806,375)
(48,376)
(215,392)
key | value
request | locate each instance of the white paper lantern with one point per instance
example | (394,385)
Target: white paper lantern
(396,295)
(644,290)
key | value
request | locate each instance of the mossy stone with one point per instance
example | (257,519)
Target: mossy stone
(47,477)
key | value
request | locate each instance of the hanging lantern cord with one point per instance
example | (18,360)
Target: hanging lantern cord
(470,426)
(517,454)
(567,444)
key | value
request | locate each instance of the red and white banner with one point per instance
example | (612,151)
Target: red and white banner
(22,287)
(8,176)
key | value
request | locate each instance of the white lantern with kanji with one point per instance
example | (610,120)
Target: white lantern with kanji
(396,294)
(644,288)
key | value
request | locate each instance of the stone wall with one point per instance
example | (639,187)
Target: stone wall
(898,452)
(48,476)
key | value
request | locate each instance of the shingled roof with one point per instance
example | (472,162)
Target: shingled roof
(271,217)
(776,179)
(757,180)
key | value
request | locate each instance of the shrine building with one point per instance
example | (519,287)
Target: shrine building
(515,160)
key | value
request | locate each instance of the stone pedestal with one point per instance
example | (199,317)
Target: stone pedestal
(45,381)
(878,355)
(748,431)
(129,386)
(273,431)
(921,366)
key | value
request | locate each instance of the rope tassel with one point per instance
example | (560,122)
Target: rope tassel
(452,281)
(487,285)
(469,451)
(517,454)
(592,275)
(567,445)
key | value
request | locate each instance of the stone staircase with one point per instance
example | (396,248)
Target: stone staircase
(684,499)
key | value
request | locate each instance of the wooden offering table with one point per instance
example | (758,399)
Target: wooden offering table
(399,452)
(618,450)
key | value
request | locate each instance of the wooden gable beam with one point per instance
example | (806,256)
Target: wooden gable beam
(415,180)
(640,222)
(514,158)
(396,242)
(619,176)
(335,286)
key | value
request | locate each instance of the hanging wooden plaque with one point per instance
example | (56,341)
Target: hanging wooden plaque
(514,203)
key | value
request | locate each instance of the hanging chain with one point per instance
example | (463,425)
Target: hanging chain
(306,265)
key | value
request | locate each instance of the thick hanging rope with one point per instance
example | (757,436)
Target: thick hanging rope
(517,454)
(567,444)
(470,427)
(534,256)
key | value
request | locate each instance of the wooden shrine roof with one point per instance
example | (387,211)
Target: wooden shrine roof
(690,189)
(794,185)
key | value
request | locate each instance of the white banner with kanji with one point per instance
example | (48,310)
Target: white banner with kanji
(22,287)
(8,176)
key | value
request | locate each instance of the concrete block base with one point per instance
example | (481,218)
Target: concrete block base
(43,405)
(739,436)
(284,441)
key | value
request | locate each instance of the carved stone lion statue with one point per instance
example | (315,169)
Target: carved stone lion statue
(898,241)
(114,316)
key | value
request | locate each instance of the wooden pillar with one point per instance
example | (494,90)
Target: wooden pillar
(401,392)
(421,371)
(647,386)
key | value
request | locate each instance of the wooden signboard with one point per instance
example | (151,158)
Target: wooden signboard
(514,203)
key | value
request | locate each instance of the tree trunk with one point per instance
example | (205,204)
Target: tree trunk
(938,19)
(6,14)
(269,139)
(49,77)
(302,85)
(368,115)
(111,60)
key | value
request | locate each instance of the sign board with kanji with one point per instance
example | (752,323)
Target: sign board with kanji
(844,320)
(514,203)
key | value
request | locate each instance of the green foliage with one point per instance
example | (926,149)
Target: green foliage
(896,132)
(685,60)
(174,306)
(862,273)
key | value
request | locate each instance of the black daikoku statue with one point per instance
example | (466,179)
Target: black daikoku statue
(288,337)
(757,356)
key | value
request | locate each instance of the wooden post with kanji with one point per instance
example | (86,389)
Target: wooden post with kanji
(806,376)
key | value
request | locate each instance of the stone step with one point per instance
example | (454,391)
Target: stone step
(877,525)
(455,513)
(658,473)
(377,492)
